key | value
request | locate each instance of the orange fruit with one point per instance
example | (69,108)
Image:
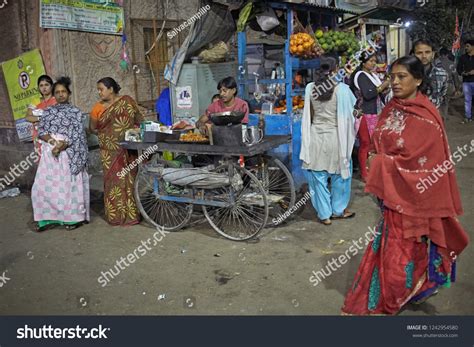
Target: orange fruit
(300,49)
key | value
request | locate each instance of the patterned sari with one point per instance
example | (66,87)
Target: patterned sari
(60,193)
(120,206)
(419,236)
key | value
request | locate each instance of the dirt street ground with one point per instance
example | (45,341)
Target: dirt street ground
(194,271)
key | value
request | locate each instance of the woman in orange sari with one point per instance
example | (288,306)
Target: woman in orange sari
(115,115)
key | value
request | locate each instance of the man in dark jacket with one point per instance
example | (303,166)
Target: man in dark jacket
(466,69)
(437,77)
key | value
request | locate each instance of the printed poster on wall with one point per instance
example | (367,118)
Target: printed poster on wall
(105,17)
(184,97)
(21,76)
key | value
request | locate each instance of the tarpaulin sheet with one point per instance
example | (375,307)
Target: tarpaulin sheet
(214,26)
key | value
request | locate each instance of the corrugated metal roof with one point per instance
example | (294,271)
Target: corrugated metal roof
(315,6)
(377,13)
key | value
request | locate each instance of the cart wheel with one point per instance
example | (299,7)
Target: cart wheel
(278,183)
(169,215)
(247,213)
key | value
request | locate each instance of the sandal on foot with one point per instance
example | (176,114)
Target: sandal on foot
(345,215)
(325,221)
(74,226)
(39,229)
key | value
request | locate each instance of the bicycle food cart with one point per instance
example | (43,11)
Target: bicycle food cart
(238,197)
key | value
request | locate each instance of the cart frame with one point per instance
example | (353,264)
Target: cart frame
(175,209)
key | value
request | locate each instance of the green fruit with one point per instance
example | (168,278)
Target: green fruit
(338,42)
(322,41)
(325,46)
(319,33)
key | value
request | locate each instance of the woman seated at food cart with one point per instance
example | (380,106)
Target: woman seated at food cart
(327,139)
(228,101)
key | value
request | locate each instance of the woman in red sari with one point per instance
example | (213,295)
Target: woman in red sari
(120,113)
(419,236)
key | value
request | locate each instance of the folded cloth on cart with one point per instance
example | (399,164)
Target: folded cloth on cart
(195,177)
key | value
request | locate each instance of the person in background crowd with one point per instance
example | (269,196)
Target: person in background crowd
(121,114)
(327,140)
(418,237)
(45,86)
(436,76)
(97,110)
(215,97)
(60,193)
(163,107)
(466,69)
(228,101)
(382,55)
(453,80)
(369,90)
(298,80)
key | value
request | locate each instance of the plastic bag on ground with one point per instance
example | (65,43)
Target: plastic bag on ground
(9,193)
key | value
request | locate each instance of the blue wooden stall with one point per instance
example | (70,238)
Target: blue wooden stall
(289,123)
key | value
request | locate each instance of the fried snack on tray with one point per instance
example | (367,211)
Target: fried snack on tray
(193,137)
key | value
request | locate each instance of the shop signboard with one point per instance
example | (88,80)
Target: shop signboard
(21,76)
(82,15)
(184,98)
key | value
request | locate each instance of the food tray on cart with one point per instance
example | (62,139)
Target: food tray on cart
(268,143)
(189,142)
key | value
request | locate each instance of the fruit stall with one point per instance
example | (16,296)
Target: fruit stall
(302,50)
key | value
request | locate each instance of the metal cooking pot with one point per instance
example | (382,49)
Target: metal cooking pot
(227,118)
